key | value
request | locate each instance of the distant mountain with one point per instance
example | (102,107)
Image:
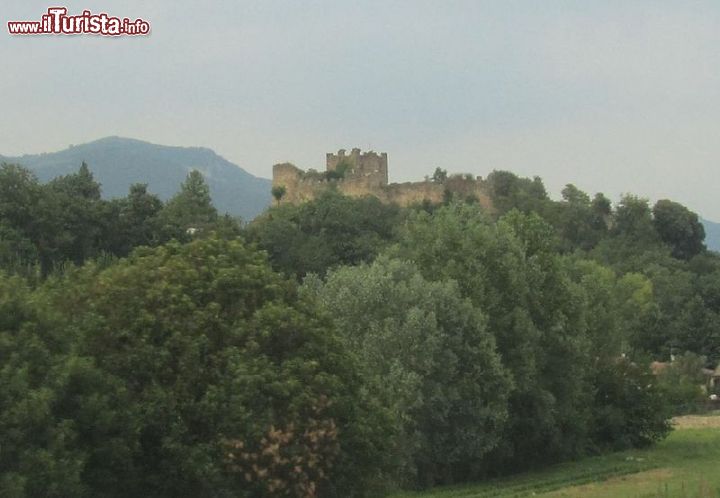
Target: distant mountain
(119,162)
(712,235)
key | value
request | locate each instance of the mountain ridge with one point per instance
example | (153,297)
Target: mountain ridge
(118,162)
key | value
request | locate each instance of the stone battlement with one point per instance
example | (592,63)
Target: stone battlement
(367,164)
(366,174)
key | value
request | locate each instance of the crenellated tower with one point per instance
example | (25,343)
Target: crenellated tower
(368,164)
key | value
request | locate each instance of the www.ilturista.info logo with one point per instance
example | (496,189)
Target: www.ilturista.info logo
(58,22)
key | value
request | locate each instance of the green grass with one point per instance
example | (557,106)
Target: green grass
(686,464)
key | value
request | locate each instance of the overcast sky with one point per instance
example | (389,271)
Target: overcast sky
(614,96)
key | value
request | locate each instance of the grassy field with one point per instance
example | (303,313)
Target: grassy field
(687,464)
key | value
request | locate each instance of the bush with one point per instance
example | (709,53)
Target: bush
(629,408)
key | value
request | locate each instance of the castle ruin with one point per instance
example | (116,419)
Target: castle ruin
(369,164)
(366,174)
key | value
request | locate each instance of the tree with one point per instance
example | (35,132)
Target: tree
(509,271)
(605,327)
(183,370)
(601,208)
(39,456)
(18,253)
(328,231)
(573,195)
(576,220)
(679,228)
(278,192)
(64,220)
(137,217)
(190,211)
(73,220)
(633,221)
(508,191)
(428,357)
(81,184)
(440,175)
(20,195)
(629,409)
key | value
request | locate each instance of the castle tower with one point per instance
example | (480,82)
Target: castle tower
(368,164)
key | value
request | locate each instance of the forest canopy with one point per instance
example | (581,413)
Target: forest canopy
(341,347)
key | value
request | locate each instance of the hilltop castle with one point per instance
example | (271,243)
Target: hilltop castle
(366,174)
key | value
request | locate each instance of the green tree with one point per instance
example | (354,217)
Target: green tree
(602,210)
(439,175)
(38,454)
(509,271)
(189,212)
(679,228)
(577,220)
(19,196)
(184,370)
(605,328)
(633,221)
(278,192)
(18,253)
(328,231)
(72,220)
(19,199)
(132,221)
(508,191)
(81,184)
(427,356)
(629,409)
(573,195)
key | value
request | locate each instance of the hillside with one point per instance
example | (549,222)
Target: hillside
(119,162)
(712,235)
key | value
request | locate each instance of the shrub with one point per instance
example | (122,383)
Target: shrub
(629,409)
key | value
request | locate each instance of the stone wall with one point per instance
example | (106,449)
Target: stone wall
(301,186)
(369,164)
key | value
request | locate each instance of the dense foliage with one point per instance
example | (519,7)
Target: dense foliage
(427,356)
(340,347)
(44,226)
(186,370)
(315,236)
(662,244)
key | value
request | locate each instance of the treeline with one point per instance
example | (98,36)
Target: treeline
(44,226)
(660,247)
(337,348)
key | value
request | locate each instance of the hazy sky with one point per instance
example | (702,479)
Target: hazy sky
(614,96)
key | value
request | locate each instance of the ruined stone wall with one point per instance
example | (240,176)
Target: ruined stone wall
(298,186)
(359,186)
(407,194)
(368,164)
(303,186)
(466,187)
